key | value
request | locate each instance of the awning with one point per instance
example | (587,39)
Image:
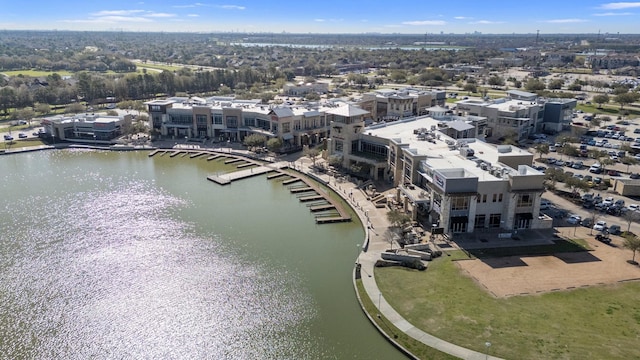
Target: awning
(287,136)
(460,219)
(526,216)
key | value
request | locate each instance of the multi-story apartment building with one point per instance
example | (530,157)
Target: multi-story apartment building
(457,181)
(225,118)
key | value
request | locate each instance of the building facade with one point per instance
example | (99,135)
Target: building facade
(228,119)
(456,181)
(87,128)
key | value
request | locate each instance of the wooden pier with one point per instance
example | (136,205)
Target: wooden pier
(193,156)
(321,207)
(234,160)
(175,153)
(214,157)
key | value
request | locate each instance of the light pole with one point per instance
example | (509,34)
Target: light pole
(488,345)
(358,254)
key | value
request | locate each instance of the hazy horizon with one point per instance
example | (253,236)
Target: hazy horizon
(328,17)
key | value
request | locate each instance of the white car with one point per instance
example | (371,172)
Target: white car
(633,207)
(600,225)
(574,219)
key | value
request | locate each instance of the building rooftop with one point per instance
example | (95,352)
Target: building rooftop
(422,137)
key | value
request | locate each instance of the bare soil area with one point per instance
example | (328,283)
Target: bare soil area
(518,275)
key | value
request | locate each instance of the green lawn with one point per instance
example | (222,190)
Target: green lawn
(140,66)
(21,143)
(415,347)
(588,323)
(36,73)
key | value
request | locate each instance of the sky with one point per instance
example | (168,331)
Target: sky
(326,16)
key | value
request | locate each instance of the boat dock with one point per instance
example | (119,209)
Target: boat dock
(327,209)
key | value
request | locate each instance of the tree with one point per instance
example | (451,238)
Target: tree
(312,154)
(629,217)
(594,122)
(542,149)
(628,160)
(254,140)
(575,184)
(632,243)
(605,161)
(26,114)
(534,85)
(496,81)
(470,88)
(625,99)
(75,108)
(42,109)
(397,218)
(274,144)
(556,84)
(601,99)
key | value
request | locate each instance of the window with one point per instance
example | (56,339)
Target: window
(339,145)
(263,124)
(232,121)
(250,121)
(201,119)
(525,200)
(286,127)
(479,221)
(494,220)
(484,198)
(499,197)
(495,197)
(217,119)
(460,203)
(478,198)
(155,107)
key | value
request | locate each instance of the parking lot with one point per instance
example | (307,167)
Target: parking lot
(601,203)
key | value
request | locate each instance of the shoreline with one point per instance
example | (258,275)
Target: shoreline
(370,218)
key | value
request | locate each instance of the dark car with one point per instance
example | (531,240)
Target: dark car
(635,175)
(613,173)
(586,222)
(604,238)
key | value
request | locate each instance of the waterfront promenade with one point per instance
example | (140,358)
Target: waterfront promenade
(376,223)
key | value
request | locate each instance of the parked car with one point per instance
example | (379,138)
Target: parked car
(545,204)
(22,136)
(614,230)
(586,222)
(613,173)
(635,176)
(600,225)
(574,219)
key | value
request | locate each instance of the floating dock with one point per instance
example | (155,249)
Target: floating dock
(214,157)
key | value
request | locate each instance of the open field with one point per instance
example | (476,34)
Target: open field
(36,73)
(21,143)
(157,67)
(589,322)
(415,347)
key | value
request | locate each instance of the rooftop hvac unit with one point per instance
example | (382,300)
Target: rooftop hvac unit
(483,166)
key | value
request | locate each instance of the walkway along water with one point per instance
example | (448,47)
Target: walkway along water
(374,244)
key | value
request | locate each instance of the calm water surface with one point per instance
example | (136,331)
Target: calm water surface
(117,255)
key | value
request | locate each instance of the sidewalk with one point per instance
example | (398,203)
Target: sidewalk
(377,218)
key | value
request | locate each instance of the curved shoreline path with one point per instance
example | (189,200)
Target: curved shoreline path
(376,223)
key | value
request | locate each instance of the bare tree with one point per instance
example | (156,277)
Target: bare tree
(632,243)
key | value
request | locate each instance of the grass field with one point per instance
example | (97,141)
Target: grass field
(36,73)
(594,323)
(141,66)
(21,143)
(415,347)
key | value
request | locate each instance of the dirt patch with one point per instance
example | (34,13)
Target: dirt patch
(518,275)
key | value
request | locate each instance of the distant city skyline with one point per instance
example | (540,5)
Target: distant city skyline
(327,16)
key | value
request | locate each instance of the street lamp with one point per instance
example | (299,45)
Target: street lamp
(358,254)
(488,345)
